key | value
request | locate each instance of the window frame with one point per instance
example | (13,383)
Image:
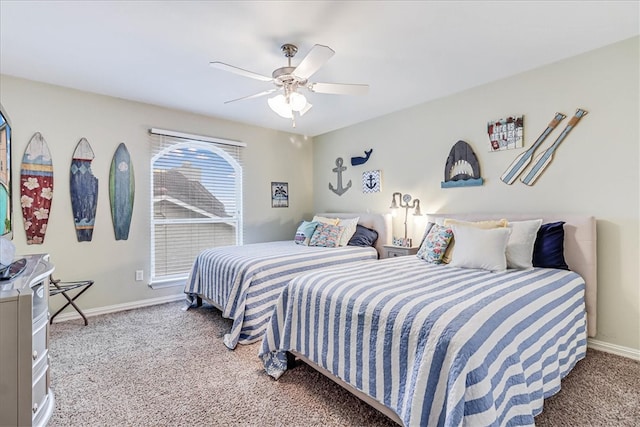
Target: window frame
(184,141)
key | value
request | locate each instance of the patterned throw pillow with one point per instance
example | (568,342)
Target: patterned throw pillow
(435,244)
(304,232)
(326,235)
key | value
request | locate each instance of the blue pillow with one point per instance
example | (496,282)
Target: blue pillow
(304,232)
(548,250)
(363,237)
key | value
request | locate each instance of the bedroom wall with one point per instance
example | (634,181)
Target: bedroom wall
(63,116)
(595,170)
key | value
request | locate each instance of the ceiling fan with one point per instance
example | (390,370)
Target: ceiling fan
(289,79)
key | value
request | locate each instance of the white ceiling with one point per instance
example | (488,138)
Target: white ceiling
(158,52)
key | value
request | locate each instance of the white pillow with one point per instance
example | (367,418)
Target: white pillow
(520,246)
(480,248)
(325,220)
(350,226)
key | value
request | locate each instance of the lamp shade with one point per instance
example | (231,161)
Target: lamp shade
(280,106)
(297,101)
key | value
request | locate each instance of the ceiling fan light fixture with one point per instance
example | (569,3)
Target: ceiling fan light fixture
(297,101)
(280,106)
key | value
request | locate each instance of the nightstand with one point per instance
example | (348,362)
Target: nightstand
(394,251)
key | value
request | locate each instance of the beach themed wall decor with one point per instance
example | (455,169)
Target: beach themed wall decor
(506,134)
(121,192)
(462,168)
(371,182)
(522,161)
(5,175)
(339,189)
(36,188)
(83,186)
(355,161)
(279,194)
(542,161)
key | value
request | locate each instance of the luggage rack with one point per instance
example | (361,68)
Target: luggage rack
(58,287)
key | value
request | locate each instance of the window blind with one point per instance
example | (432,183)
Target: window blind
(196,200)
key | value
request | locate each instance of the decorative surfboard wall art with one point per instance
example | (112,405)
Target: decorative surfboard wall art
(339,189)
(36,188)
(355,161)
(462,168)
(83,186)
(121,192)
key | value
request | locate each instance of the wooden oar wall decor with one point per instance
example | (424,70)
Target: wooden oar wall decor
(542,160)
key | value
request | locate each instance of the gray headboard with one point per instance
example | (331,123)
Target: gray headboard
(579,248)
(379,222)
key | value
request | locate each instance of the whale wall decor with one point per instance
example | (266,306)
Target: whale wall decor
(462,168)
(355,161)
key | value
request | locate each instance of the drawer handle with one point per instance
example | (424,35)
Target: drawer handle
(34,355)
(35,408)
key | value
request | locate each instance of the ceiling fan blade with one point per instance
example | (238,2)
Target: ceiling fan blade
(338,88)
(239,71)
(257,95)
(316,58)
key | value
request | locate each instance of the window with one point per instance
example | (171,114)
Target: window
(196,200)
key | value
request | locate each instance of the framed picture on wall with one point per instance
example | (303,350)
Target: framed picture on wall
(5,176)
(279,195)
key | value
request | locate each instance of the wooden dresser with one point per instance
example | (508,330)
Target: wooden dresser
(25,396)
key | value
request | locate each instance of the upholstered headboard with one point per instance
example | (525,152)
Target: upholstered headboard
(579,249)
(379,222)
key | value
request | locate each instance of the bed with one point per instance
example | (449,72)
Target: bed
(441,345)
(244,282)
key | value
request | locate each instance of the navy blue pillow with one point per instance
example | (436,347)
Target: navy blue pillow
(548,250)
(363,237)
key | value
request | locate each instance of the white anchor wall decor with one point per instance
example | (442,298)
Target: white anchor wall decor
(371,182)
(340,190)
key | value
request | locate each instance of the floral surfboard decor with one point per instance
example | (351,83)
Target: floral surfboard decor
(36,188)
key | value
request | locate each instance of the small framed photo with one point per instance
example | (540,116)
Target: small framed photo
(401,242)
(279,195)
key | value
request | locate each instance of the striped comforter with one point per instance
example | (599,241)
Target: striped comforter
(439,346)
(245,281)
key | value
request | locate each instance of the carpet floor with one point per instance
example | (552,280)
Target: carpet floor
(161,366)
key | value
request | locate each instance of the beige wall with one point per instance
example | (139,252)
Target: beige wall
(64,116)
(595,170)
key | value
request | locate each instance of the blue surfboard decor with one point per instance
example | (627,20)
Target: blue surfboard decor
(121,192)
(83,186)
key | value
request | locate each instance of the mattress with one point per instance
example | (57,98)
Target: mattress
(436,345)
(244,281)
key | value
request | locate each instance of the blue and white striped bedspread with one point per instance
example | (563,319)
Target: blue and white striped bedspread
(245,281)
(440,346)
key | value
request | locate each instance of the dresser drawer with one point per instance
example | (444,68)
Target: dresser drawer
(39,343)
(40,388)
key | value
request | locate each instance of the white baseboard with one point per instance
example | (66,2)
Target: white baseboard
(72,314)
(631,353)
